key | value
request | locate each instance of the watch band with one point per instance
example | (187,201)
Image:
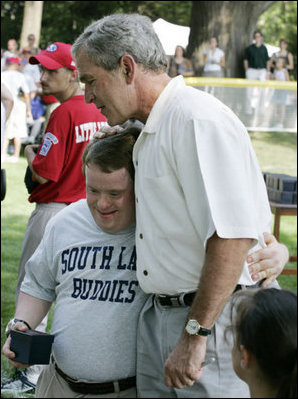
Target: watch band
(22,321)
(204,331)
(13,322)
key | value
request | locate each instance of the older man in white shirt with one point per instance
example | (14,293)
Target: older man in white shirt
(201,206)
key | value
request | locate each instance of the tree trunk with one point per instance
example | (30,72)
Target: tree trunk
(31,21)
(232,22)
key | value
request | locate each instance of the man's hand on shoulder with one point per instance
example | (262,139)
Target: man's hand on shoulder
(107,131)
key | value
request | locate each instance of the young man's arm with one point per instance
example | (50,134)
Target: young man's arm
(30,153)
(7,100)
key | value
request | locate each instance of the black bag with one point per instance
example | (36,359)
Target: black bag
(29,183)
(3,184)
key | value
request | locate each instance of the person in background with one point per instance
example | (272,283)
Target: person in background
(6,108)
(16,127)
(214,64)
(214,60)
(285,54)
(279,98)
(256,59)
(201,206)
(264,325)
(179,64)
(257,67)
(30,46)
(29,79)
(55,165)
(12,50)
(2,60)
(38,109)
(32,70)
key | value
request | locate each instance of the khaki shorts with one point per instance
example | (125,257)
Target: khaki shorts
(51,385)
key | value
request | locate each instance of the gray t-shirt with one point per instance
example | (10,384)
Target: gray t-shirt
(92,276)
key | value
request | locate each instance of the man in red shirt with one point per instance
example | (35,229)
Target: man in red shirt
(56,164)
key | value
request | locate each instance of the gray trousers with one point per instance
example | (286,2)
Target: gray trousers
(158,333)
(33,235)
(34,231)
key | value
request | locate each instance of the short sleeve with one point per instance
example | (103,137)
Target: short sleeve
(50,157)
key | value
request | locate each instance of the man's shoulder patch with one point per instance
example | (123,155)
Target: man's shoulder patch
(48,141)
(51,137)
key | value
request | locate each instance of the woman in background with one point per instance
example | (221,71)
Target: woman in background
(283,53)
(214,60)
(179,64)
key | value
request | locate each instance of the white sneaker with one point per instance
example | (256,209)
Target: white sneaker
(5,158)
(12,159)
(18,384)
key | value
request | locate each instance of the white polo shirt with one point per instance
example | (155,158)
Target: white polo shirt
(196,173)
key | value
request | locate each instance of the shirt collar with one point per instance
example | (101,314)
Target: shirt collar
(162,102)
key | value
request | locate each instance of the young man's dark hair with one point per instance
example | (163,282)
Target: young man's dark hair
(113,152)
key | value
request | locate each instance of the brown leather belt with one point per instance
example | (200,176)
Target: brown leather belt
(97,388)
(186,299)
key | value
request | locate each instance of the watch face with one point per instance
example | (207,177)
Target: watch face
(192,327)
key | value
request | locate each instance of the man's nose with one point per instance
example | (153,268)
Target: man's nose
(103,203)
(43,76)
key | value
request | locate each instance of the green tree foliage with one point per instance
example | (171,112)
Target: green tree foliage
(280,21)
(65,20)
(11,21)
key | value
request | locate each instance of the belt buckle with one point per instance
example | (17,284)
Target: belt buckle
(160,297)
(173,300)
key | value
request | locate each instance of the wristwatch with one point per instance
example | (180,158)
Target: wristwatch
(194,328)
(12,323)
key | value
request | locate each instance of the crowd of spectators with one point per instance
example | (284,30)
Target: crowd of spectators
(31,108)
(28,129)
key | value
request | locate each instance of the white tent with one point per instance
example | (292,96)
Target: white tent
(172,35)
(271,49)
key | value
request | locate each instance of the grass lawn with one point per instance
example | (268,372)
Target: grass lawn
(277,153)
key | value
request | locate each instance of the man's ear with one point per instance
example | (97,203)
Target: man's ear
(246,358)
(75,75)
(128,67)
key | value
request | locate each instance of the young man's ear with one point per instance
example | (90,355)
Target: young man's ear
(246,358)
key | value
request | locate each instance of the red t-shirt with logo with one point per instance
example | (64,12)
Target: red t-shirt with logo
(59,157)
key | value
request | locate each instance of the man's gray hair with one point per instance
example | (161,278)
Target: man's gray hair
(108,39)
